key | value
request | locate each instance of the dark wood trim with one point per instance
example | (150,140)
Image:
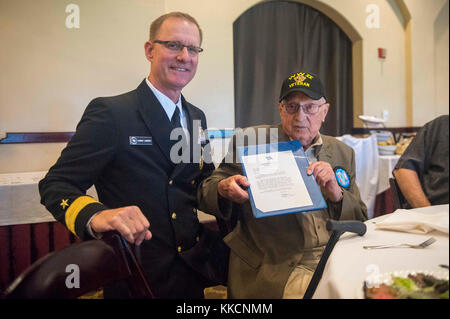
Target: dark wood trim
(64,137)
(396,131)
(365,130)
(37,137)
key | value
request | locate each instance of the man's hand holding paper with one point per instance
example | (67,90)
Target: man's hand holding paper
(325,177)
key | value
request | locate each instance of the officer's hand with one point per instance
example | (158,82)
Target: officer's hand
(234,188)
(128,221)
(326,179)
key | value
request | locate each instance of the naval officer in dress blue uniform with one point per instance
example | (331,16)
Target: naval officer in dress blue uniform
(122,145)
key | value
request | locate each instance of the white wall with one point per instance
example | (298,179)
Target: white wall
(441,59)
(430,59)
(50,73)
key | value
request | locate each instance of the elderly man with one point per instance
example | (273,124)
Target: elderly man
(275,257)
(422,170)
(123,146)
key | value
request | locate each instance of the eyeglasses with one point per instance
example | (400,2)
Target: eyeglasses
(177,46)
(310,109)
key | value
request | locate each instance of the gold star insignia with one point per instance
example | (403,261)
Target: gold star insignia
(64,203)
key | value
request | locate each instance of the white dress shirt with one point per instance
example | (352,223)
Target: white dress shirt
(168,105)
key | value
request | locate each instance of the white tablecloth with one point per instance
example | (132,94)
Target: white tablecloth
(367,168)
(349,264)
(386,164)
(372,170)
(20,200)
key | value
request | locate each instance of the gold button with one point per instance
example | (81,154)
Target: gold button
(174,216)
(170,182)
(179,249)
(194,210)
(193,182)
(197,239)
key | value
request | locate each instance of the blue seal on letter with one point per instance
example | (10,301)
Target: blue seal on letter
(342,177)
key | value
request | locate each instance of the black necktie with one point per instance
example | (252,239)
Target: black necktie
(176,118)
(176,123)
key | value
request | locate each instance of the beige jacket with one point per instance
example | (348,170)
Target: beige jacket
(264,251)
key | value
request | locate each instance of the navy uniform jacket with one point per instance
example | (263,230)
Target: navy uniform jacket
(103,152)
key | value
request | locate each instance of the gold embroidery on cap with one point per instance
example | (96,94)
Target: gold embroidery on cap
(299,78)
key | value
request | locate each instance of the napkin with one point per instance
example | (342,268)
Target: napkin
(415,222)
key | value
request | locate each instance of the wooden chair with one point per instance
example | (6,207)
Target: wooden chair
(397,196)
(93,263)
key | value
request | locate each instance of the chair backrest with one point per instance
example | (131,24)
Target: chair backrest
(397,196)
(81,268)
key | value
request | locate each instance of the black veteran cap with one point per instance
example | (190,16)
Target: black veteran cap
(305,82)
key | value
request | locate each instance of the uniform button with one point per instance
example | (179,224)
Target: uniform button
(170,182)
(197,239)
(194,210)
(174,216)
(193,182)
(179,249)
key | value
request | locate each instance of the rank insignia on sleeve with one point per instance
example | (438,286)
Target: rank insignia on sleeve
(64,203)
(342,177)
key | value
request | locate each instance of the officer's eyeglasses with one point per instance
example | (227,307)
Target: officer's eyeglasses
(177,46)
(293,108)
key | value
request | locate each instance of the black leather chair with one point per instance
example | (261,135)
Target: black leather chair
(95,263)
(397,196)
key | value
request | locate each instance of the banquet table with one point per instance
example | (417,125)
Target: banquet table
(349,264)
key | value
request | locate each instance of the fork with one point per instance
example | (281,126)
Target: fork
(426,243)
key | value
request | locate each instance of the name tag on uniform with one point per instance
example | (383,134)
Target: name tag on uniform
(140,140)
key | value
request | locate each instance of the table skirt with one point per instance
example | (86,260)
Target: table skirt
(22,245)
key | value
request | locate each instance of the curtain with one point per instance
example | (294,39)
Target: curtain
(274,39)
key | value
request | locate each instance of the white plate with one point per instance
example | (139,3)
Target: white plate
(387,149)
(386,152)
(371,119)
(382,136)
